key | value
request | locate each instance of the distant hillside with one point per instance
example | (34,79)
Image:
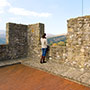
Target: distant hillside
(50,38)
(49,35)
(56,39)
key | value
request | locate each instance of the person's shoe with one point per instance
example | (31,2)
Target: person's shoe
(44,61)
(41,62)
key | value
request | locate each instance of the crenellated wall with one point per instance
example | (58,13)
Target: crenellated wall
(16,39)
(21,41)
(78,42)
(35,31)
(24,41)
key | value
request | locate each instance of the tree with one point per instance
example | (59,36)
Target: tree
(61,43)
(51,42)
(54,44)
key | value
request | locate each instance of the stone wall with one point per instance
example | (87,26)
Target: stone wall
(4,50)
(18,40)
(58,53)
(55,54)
(78,42)
(24,41)
(35,31)
(16,37)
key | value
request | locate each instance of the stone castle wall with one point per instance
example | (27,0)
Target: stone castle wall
(78,42)
(24,41)
(21,41)
(55,54)
(16,39)
(4,50)
(58,53)
(35,31)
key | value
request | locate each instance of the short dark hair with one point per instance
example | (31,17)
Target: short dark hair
(44,35)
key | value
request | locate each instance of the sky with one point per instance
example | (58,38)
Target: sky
(53,13)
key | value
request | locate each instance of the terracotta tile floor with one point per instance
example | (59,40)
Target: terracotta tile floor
(20,77)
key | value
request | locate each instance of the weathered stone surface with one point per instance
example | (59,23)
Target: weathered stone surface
(22,41)
(35,32)
(78,42)
(4,50)
(18,40)
(16,47)
(85,78)
(57,53)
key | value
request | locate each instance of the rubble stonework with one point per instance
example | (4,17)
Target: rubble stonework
(78,42)
(35,32)
(24,41)
(16,37)
(4,49)
(21,41)
(57,53)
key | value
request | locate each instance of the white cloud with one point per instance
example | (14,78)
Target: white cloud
(23,12)
(19,11)
(3,4)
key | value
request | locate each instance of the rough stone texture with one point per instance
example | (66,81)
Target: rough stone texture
(4,49)
(78,42)
(22,41)
(57,53)
(18,40)
(16,37)
(35,32)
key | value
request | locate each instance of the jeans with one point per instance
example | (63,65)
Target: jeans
(44,50)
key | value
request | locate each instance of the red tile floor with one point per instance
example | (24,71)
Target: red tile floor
(20,77)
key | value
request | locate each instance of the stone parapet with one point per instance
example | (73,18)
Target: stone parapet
(35,32)
(4,50)
(58,53)
(24,41)
(21,41)
(16,39)
(78,42)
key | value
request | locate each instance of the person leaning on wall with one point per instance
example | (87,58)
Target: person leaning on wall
(44,46)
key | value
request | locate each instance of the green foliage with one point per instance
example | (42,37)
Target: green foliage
(51,42)
(61,43)
(59,40)
(54,44)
